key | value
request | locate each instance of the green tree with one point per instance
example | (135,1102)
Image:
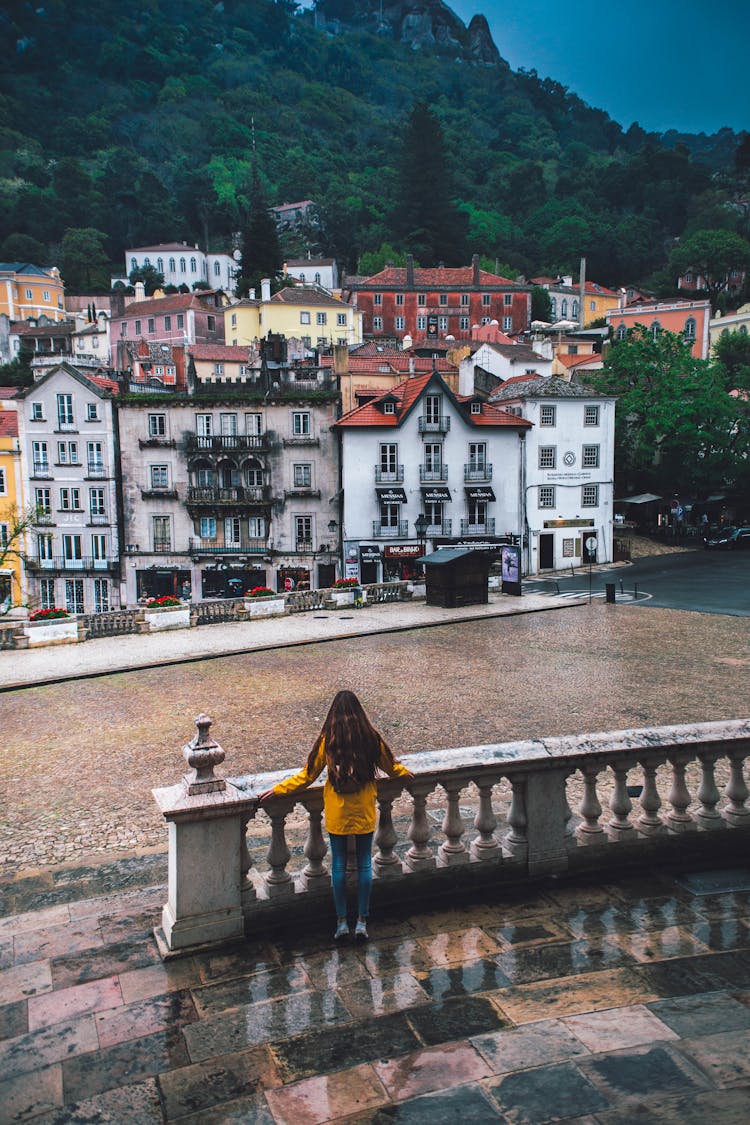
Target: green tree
(675,428)
(261,250)
(713,254)
(732,354)
(150,277)
(23,248)
(541,304)
(83,261)
(374,261)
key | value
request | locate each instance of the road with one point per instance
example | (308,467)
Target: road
(703,581)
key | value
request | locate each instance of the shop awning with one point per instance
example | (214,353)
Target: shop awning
(391,494)
(435,493)
(641,498)
(479,492)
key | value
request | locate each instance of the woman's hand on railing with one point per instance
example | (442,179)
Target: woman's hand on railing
(265,796)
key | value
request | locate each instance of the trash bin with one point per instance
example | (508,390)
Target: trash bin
(610,589)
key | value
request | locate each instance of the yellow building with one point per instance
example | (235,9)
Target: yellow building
(12,574)
(26,290)
(302,312)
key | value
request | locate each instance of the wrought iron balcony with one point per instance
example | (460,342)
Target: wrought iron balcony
(242,494)
(96,470)
(428,476)
(41,469)
(221,443)
(389,476)
(443,528)
(200,547)
(478,529)
(61,563)
(395,531)
(478,472)
(439,425)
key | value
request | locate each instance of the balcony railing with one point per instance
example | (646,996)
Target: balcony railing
(223,442)
(439,425)
(443,528)
(61,563)
(478,472)
(430,475)
(163,546)
(396,531)
(96,470)
(389,476)
(304,545)
(243,494)
(214,547)
(98,518)
(41,469)
(539,813)
(478,529)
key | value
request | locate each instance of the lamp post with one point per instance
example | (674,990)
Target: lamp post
(420,526)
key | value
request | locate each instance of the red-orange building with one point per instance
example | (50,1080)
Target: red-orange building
(689,319)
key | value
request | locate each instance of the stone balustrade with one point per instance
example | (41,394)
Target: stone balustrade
(520,825)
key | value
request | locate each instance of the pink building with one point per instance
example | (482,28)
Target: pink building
(689,319)
(182,318)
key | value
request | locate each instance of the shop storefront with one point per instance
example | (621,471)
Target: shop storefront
(370,560)
(399,561)
(155,582)
(224,581)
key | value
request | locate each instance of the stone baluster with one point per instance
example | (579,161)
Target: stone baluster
(386,864)
(485,846)
(452,851)
(678,819)
(649,822)
(247,889)
(619,827)
(314,873)
(516,841)
(708,817)
(570,828)
(737,812)
(590,830)
(278,880)
(419,857)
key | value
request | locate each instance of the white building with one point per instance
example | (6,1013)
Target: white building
(568,471)
(182,264)
(504,361)
(314,271)
(419,450)
(66,428)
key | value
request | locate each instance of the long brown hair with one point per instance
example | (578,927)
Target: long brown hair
(352,745)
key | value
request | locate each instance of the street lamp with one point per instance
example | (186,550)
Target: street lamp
(420,526)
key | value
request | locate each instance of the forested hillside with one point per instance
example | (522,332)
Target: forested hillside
(138,121)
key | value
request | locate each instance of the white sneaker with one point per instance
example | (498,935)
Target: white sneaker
(360,930)
(342,930)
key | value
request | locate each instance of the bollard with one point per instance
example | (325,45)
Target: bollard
(610,589)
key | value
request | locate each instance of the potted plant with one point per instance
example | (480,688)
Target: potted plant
(166,612)
(262,601)
(51,626)
(345,592)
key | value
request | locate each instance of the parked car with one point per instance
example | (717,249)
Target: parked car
(729,539)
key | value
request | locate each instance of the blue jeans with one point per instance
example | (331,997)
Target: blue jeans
(339,850)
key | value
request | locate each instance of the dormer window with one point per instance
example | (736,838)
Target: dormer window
(476,408)
(389,408)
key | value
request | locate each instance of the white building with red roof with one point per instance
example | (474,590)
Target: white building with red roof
(419,450)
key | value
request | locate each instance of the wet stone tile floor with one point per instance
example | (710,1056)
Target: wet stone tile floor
(580,1002)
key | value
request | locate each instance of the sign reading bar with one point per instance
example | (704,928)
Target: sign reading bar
(568,523)
(369,554)
(436,493)
(480,492)
(403,550)
(391,495)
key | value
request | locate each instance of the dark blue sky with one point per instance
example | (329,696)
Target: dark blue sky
(679,64)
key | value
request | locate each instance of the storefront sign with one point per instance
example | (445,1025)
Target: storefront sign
(390,495)
(480,492)
(403,550)
(369,554)
(568,523)
(436,494)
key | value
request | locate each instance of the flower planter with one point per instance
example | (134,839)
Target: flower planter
(265,607)
(342,598)
(55,631)
(166,617)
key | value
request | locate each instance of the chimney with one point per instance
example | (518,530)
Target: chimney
(340,359)
(251,295)
(409,271)
(411,366)
(265,289)
(475,269)
(140,291)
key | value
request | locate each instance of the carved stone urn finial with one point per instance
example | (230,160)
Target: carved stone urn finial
(202,754)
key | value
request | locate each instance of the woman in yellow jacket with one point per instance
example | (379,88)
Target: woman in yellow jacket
(353,751)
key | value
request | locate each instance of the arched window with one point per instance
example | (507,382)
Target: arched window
(725,331)
(229,475)
(217,269)
(564,308)
(254,473)
(203,474)
(160,265)
(689,329)
(317,279)
(193,265)
(743,329)
(553,307)
(574,310)
(134,263)
(621,332)
(171,265)
(182,265)
(655,331)
(147,261)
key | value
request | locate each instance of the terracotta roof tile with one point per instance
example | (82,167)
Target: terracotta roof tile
(172,302)
(407,393)
(8,423)
(306,295)
(219,352)
(460,277)
(9,392)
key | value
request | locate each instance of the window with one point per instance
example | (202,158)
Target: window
(443,299)
(507,324)
(160,265)
(464,298)
(193,265)
(67,452)
(592,306)
(70,499)
(211,323)
(218,369)
(72,548)
(208,527)
(228,424)
(547,456)
(101,595)
(99,547)
(92,412)
(433,512)
(463,323)
(151,326)
(94,457)
(433,456)
(432,406)
(399,323)
(29,294)
(389,408)
(421,323)
(689,333)
(591,415)
(486,299)
(159,476)
(123,329)
(341,320)
(147,261)
(232,531)
(399,298)
(553,307)
(590,458)
(377,298)
(2,483)
(45,295)
(37,412)
(304,318)
(183,265)
(476,408)
(47,593)
(443,323)
(44,547)
(180,320)
(162,533)
(217,269)
(256,527)
(253,424)
(574,310)
(377,324)
(477,512)
(486,320)
(43,501)
(40,456)
(590,495)
(74,595)
(621,332)
(64,410)
(204,425)
(234,320)
(157,425)
(564,308)
(390,515)
(655,331)
(306,341)
(321,318)
(303,533)
(421,299)
(300,423)
(507,299)
(547,496)
(477,456)
(547,415)
(137,327)
(303,476)
(172,265)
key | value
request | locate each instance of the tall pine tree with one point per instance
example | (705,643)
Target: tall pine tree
(260,248)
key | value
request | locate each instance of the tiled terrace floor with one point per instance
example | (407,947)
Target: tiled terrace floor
(569,1002)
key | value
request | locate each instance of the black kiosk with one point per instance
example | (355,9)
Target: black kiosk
(456,576)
